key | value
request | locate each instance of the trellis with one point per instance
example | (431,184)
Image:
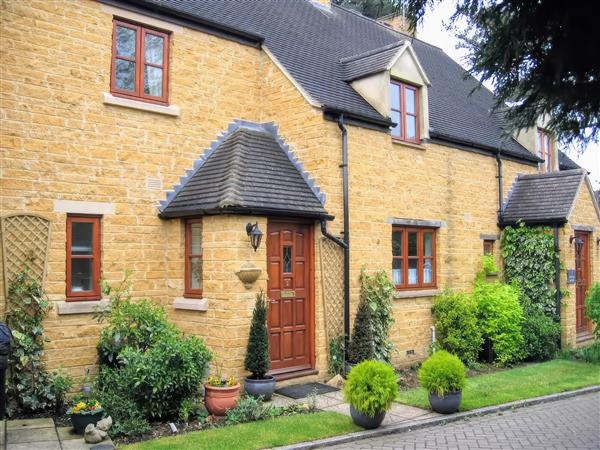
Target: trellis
(332,273)
(25,243)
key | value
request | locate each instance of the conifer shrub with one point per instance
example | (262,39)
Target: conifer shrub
(371,387)
(257,352)
(442,373)
(361,346)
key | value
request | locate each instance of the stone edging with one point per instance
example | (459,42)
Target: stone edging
(436,421)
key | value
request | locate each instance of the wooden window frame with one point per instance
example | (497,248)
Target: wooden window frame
(420,257)
(189,292)
(96,257)
(488,247)
(141,31)
(545,152)
(402,87)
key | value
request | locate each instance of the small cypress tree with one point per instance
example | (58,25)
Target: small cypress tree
(257,351)
(361,346)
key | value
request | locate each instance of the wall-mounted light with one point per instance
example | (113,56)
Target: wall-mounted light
(578,244)
(255,235)
(597,241)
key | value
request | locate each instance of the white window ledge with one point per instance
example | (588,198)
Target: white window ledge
(191,304)
(82,306)
(416,294)
(171,110)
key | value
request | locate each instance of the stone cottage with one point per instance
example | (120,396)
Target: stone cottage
(216,148)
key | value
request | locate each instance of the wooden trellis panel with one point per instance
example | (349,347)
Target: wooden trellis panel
(25,243)
(332,272)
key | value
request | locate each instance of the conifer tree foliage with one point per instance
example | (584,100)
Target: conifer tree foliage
(361,346)
(257,352)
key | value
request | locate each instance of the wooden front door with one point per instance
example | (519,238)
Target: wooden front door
(582,271)
(290,292)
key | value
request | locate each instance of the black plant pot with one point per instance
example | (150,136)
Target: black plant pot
(364,421)
(80,421)
(447,404)
(263,387)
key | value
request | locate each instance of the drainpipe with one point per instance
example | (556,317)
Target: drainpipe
(557,277)
(330,236)
(344,131)
(499,176)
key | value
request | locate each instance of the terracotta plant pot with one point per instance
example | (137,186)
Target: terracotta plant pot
(80,421)
(220,399)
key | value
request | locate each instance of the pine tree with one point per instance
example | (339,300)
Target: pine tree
(257,352)
(361,346)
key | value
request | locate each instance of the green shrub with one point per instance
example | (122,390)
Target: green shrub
(456,327)
(371,387)
(192,408)
(250,409)
(258,360)
(592,307)
(336,355)
(500,317)
(589,353)
(442,373)
(540,337)
(60,384)
(128,420)
(361,346)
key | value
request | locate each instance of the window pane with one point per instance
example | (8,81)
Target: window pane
(81,275)
(412,243)
(82,238)
(540,144)
(196,237)
(397,243)
(411,127)
(153,81)
(410,101)
(395,96)
(397,130)
(413,269)
(125,42)
(397,271)
(153,49)
(125,75)
(427,244)
(196,273)
(287,259)
(428,271)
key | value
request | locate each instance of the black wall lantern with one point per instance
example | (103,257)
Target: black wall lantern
(255,235)
(578,244)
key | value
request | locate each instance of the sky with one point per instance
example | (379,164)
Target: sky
(433,31)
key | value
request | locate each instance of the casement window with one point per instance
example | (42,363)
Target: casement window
(140,63)
(488,247)
(193,258)
(83,258)
(404,100)
(545,149)
(413,257)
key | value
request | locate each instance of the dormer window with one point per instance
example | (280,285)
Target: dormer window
(545,149)
(404,102)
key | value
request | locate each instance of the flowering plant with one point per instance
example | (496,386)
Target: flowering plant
(221,381)
(84,407)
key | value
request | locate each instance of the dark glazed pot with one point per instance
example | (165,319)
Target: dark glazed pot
(364,421)
(263,387)
(447,404)
(80,421)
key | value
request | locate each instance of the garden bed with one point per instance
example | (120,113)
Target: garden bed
(526,381)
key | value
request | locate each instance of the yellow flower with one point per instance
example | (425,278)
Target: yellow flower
(80,405)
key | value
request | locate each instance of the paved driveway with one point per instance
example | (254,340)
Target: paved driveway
(572,423)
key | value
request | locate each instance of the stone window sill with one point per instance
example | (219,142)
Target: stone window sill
(171,110)
(421,146)
(416,294)
(191,304)
(82,306)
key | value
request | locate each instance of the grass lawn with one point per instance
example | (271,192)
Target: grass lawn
(262,434)
(523,382)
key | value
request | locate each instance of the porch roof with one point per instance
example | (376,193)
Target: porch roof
(247,170)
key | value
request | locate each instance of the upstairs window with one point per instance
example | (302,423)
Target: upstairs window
(545,149)
(413,257)
(404,100)
(193,258)
(83,258)
(140,58)
(488,247)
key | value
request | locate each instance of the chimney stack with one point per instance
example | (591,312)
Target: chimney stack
(397,22)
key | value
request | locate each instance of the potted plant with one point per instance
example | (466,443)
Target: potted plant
(371,388)
(220,394)
(83,412)
(259,384)
(361,346)
(443,375)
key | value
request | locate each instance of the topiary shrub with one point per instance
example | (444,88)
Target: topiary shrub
(540,337)
(500,317)
(592,307)
(361,346)
(371,387)
(257,352)
(442,373)
(456,327)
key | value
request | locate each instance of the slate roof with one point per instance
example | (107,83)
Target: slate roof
(566,163)
(367,63)
(247,170)
(543,198)
(310,41)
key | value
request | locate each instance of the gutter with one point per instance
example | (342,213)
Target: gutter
(337,112)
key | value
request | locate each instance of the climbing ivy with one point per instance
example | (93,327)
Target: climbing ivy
(529,259)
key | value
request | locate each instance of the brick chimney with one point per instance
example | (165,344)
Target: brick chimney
(397,22)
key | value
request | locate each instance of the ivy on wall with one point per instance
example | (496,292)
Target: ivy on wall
(529,259)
